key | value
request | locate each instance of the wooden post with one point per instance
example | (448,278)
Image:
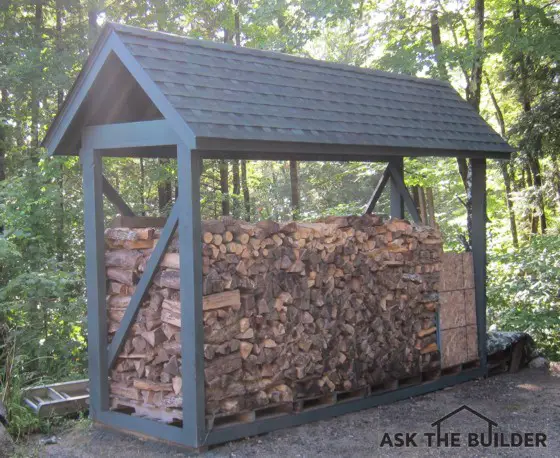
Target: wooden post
(95,279)
(479,252)
(397,201)
(192,335)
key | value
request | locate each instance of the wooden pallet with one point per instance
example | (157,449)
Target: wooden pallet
(143,410)
(452,370)
(302,405)
(58,398)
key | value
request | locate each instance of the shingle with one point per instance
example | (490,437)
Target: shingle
(225,92)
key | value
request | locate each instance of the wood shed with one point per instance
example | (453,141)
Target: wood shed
(229,329)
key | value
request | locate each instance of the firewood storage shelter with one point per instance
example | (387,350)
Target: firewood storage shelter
(147,94)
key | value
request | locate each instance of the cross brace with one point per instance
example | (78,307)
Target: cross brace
(392,173)
(144,283)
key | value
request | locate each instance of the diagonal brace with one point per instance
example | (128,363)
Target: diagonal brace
(397,181)
(116,199)
(142,287)
(378,190)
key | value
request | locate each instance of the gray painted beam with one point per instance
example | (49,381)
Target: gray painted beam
(397,201)
(95,279)
(132,134)
(145,426)
(400,187)
(116,199)
(479,252)
(143,285)
(192,326)
(166,151)
(224,148)
(378,190)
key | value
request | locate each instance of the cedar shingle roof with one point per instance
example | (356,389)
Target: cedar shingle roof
(227,92)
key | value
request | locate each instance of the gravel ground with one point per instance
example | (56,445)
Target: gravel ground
(528,401)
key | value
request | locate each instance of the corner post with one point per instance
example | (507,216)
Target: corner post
(192,336)
(95,279)
(397,201)
(479,252)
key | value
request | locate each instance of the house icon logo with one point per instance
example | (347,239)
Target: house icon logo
(454,439)
(488,436)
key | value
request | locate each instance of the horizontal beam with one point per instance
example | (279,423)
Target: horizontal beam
(290,156)
(164,151)
(216,148)
(131,135)
(143,426)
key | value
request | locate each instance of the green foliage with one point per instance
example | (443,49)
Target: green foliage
(524,291)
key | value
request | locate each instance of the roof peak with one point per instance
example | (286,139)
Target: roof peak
(176,38)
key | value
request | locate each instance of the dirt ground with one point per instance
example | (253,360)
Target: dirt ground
(526,402)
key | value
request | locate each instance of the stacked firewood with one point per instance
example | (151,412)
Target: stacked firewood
(290,311)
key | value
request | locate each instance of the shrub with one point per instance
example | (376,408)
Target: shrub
(524,291)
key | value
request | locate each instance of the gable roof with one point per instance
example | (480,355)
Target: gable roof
(241,95)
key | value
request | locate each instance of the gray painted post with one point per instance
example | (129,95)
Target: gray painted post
(479,252)
(397,201)
(192,336)
(398,186)
(95,280)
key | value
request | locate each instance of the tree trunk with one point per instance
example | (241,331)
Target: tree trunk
(525,98)
(165,190)
(142,187)
(473,97)
(294,182)
(59,100)
(245,187)
(93,28)
(3,135)
(431,207)
(475,84)
(224,186)
(532,213)
(236,189)
(509,203)
(504,168)
(436,43)
(556,174)
(35,105)
(3,148)
(422,202)
(237,24)
(535,168)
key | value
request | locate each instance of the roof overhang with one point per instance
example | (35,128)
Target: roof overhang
(213,148)
(64,135)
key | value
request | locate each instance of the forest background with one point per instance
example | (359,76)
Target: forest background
(501,55)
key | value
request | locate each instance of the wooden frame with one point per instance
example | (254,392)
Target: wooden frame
(185,217)
(172,137)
